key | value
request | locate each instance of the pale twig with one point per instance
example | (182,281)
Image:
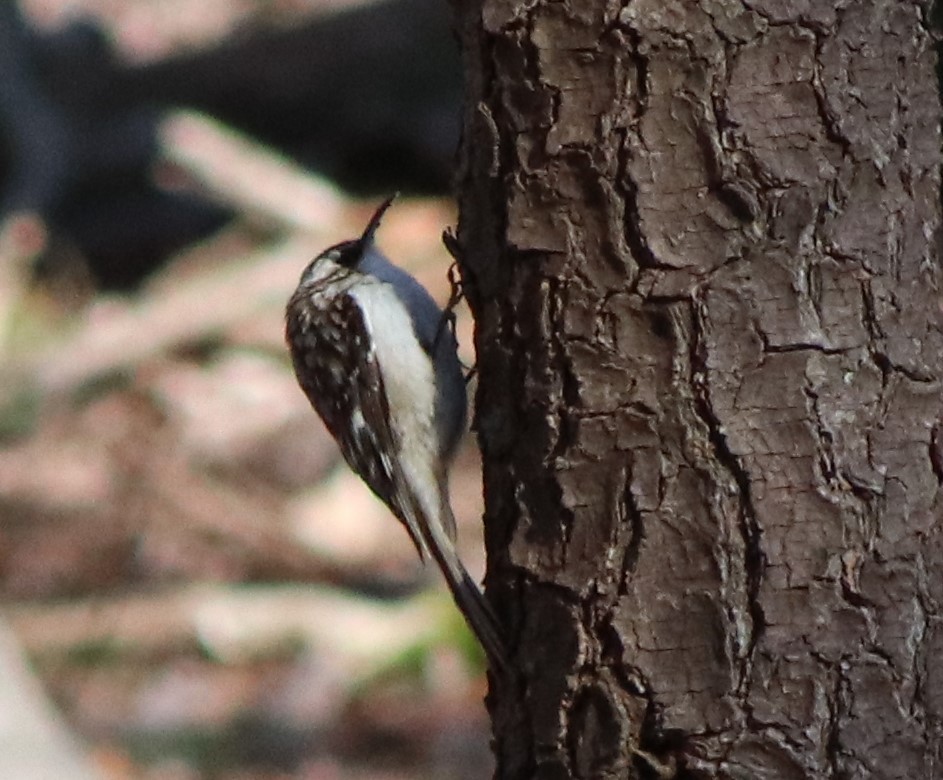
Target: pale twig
(255,180)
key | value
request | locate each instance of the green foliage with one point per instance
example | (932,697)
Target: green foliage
(19,412)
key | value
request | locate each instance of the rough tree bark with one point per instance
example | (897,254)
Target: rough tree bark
(699,240)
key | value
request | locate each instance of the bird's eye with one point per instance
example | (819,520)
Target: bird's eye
(348,253)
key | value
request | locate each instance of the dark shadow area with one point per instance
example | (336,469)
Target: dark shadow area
(368,98)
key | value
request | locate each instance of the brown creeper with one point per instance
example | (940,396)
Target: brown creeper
(370,352)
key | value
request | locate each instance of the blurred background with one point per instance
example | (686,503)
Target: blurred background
(193,584)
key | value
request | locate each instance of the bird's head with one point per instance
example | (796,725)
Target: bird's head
(349,253)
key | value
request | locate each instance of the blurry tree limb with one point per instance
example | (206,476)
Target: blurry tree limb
(257,181)
(118,337)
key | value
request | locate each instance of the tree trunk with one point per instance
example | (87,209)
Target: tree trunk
(699,241)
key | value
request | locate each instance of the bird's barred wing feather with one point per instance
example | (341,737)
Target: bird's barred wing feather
(347,392)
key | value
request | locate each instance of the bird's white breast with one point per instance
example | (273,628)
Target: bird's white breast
(408,379)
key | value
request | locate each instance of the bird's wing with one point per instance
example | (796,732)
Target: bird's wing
(349,395)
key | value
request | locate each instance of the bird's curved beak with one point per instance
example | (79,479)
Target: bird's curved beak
(374,223)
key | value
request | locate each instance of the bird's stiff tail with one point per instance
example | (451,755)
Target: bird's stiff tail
(476,611)
(431,525)
(469,599)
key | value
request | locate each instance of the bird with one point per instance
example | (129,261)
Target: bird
(374,355)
